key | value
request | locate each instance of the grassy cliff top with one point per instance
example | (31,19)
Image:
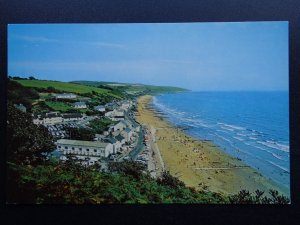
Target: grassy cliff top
(67,87)
(132,88)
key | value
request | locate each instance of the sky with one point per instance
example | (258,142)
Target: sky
(241,56)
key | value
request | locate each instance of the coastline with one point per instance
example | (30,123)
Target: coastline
(198,161)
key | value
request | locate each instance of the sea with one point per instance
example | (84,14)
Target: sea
(251,126)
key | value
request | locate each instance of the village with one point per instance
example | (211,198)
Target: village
(124,139)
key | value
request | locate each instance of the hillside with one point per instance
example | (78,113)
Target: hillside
(38,95)
(133,89)
(67,87)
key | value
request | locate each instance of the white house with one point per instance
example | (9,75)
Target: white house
(127,123)
(65,96)
(116,143)
(116,115)
(100,108)
(82,149)
(80,105)
(20,107)
(127,134)
(117,127)
(126,105)
(136,127)
(70,117)
(47,118)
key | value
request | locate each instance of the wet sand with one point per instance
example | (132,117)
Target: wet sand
(197,163)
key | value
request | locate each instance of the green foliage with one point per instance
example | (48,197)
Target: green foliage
(66,87)
(99,125)
(80,134)
(70,182)
(58,106)
(19,94)
(26,142)
(258,197)
(130,168)
(41,106)
(140,89)
(169,180)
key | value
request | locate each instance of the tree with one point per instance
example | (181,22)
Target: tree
(31,78)
(27,143)
(99,125)
(130,168)
(19,94)
(51,89)
(167,179)
(81,134)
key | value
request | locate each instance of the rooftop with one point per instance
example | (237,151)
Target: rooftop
(79,103)
(96,144)
(119,137)
(72,115)
(127,130)
(66,94)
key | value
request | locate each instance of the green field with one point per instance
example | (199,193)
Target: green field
(67,87)
(149,89)
(59,106)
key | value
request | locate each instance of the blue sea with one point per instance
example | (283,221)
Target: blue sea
(252,126)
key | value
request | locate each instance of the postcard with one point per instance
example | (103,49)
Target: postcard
(148,113)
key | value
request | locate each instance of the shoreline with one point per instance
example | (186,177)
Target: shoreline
(200,163)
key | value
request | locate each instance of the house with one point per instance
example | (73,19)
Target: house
(127,123)
(117,127)
(120,138)
(127,134)
(50,118)
(116,115)
(65,96)
(84,99)
(71,117)
(99,137)
(20,107)
(94,150)
(80,105)
(118,118)
(136,127)
(126,105)
(111,106)
(100,108)
(116,143)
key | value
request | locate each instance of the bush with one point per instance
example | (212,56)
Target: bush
(130,168)
(169,180)
(80,134)
(26,142)
(258,197)
(100,125)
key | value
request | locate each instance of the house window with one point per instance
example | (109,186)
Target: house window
(66,147)
(80,148)
(59,146)
(87,149)
(73,148)
(95,150)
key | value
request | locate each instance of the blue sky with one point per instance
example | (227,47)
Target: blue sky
(197,56)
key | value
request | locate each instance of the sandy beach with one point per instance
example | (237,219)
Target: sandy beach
(197,163)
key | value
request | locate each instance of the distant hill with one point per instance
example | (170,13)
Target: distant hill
(68,87)
(133,89)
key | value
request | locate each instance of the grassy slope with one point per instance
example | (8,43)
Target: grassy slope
(59,106)
(63,86)
(131,87)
